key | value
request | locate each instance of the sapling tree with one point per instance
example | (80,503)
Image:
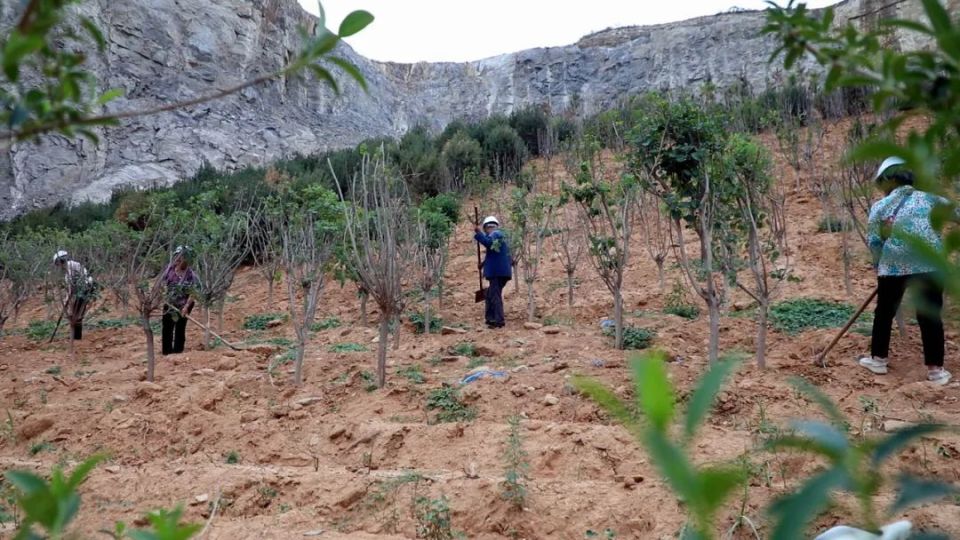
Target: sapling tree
(675,145)
(310,224)
(22,262)
(760,217)
(265,248)
(139,259)
(657,235)
(436,218)
(606,207)
(531,215)
(379,230)
(219,244)
(569,245)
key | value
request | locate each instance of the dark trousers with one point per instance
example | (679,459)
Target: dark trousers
(928,293)
(494,301)
(78,310)
(174,333)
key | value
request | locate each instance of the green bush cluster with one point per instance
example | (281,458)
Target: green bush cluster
(634,337)
(449,406)
(799,314)
(261,321)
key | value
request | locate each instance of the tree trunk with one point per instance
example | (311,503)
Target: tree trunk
(73,354)
(426,314)
(206,331)
(570,289)
(531,301)
(270,291)
(660,276)
(221,306)
(761,344)
(714,347)
(516,282)
(363,308)
(298,362)
(440,294)
(382,351)
(618,319)
(901,323)
(396,333)
(148,335)
(847,283)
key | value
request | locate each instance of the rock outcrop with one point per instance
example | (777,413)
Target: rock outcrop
(161,51)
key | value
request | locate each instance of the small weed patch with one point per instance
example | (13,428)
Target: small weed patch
(830,225)
(634,337)
(114,324)
(53,370)
(326,324)
(416,319)
(369,381)
(678,304)
(232,457)
(464,348)
(39,330)
(413,374)
(261,321)
(450,408)
(39,447)
(795,316)
(347,348)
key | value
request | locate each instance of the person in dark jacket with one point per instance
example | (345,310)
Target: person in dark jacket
(180,283)
(496,268)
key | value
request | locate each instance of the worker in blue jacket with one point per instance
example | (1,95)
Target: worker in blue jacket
(496,268)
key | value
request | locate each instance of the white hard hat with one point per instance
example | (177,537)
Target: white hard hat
(60,255)
(490,220)
(887,163)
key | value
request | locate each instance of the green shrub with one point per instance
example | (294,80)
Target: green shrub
(464,348)
(39,447)
(39,330)
(327,324)
(413,374)
(830,224)
(53,370)
(261,321)
(634,337)
(433,518)
(347,348)
(530,123)
(416,319)
(232,457)
(513,488)
(678,304)
(450,408)
(461,154)
(505,153)
(369,381)
(419,162)
(113,324)
(796,315)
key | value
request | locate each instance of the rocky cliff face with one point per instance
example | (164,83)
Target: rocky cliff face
(165,50)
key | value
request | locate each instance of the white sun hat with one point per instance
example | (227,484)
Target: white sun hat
(60,255)
(490,220)
(887,163)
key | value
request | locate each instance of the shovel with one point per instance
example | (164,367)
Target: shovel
(481,294)
(822,357)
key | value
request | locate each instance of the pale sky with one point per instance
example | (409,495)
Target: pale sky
(460,30)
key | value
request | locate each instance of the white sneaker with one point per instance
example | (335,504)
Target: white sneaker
(939,377)
(876,365)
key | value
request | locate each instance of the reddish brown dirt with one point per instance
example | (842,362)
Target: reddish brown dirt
(324,465)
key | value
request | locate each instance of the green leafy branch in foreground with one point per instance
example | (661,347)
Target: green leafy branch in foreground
(703,489)
(854,466)
(61,93)
(52,505)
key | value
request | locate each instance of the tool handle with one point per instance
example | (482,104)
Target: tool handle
(476,221)
(843,331)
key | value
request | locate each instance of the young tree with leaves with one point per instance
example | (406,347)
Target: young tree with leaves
(657,234)
(569,245)
(435,221)
(220,245)
(760,217)
(531,214)
(22,263)
(606,209)
(379,233)
(674,145)
(310,223)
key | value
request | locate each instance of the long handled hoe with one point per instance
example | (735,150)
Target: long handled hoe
(822,357)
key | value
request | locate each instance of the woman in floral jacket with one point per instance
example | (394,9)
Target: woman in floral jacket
(897,223)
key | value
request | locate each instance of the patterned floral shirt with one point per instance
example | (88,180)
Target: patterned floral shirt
(179,286)
(893,252)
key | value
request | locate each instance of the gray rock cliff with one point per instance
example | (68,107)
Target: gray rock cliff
(160,51)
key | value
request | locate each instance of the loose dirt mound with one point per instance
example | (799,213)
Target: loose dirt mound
(332,460)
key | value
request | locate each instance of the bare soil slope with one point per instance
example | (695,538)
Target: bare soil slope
(332,460)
